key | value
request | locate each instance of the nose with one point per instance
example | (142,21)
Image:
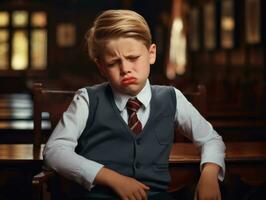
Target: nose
(125,67)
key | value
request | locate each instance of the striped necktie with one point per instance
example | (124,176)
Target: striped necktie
(134,124)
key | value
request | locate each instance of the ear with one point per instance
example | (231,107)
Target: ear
(152,53)
(101,67)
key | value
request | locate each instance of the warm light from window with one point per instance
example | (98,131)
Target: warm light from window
(228,23)
(177,55)
(20,18)
(19,58)
(23,40)
(4,18)
(38,19)
(253,19)
(209,26)
(39,49)
(194,29)
(3,49)
(170,71)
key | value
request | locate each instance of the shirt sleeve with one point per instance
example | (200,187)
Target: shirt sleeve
(59,152)
(194,126)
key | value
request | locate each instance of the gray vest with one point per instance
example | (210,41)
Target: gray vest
(108,140)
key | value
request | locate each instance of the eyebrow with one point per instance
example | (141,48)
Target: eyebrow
(112,60)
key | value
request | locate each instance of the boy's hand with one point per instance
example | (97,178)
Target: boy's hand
(208,186)
(127,188)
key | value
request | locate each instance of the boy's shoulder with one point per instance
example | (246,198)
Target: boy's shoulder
(94,89)
(165,94)
(163,87)
(167,88)
(162,90)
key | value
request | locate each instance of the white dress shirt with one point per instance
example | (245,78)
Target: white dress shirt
(59,152)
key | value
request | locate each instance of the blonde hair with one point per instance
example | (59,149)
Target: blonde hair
(113,24)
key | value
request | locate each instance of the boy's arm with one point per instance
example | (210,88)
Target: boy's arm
(125,187)
(59,153)
(200,131)
(208,186)
(212,147)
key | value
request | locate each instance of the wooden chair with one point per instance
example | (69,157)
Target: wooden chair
(52,102)
(55,102)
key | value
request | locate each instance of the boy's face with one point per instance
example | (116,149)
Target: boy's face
(125,62)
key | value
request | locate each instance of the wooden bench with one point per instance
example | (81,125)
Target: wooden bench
(247,125)
(244,129)
(16,118)
(20,153)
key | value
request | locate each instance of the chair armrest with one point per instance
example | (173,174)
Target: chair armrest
(39,182)
(42,177)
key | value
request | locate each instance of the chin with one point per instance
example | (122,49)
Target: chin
(132,91)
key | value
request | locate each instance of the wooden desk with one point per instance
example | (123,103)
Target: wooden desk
(186,153)
(235,152)
(184,165)
(244,159)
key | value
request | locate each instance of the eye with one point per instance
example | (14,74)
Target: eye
(110,64)
(133,58)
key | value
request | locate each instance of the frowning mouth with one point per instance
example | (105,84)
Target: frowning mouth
(128,80)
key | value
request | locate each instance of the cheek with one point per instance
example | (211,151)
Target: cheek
(113,74)
(144,68)
(147,71)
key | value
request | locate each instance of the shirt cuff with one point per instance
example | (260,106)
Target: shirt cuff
(89,173)
(218,161)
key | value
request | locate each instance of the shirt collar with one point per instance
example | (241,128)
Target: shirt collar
(144,96)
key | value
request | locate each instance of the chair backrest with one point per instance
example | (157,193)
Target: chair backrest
(53,102)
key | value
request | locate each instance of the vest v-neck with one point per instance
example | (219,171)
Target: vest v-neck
(118,115)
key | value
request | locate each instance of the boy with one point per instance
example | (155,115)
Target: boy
(114,140)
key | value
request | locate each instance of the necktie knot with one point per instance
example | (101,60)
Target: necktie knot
(133,105)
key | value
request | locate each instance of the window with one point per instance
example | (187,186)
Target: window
(4,36)
(23,40)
